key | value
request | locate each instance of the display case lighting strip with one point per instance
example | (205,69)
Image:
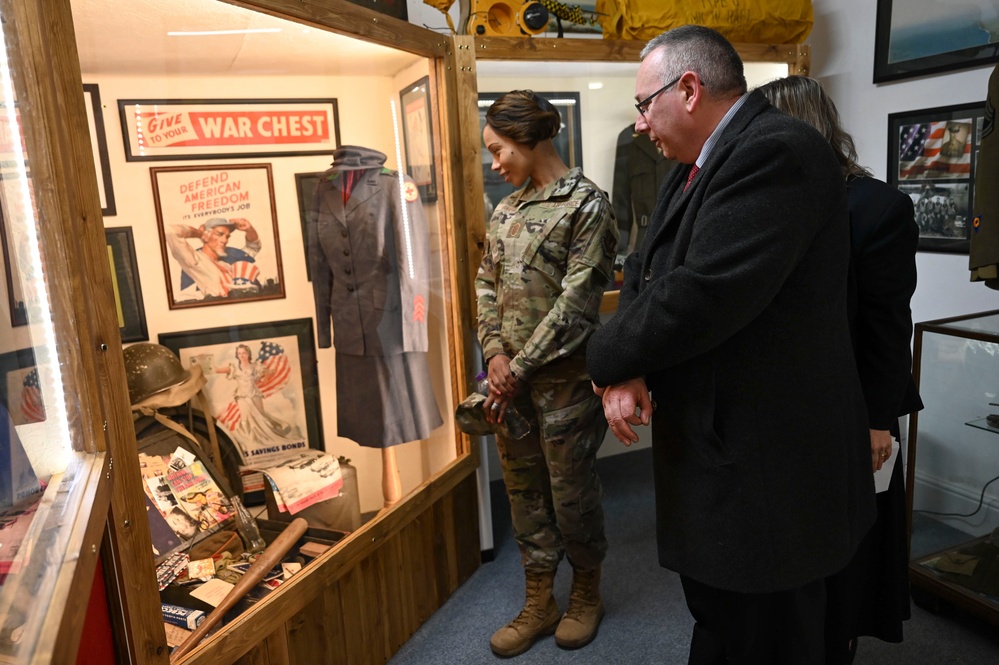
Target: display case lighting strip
(50,382)
(204,33)
(402,191)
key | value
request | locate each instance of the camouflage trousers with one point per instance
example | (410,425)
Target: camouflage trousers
(555,494)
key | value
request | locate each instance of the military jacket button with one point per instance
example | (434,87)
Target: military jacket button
(648,274)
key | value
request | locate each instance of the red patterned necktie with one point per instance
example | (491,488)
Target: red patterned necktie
(693,171)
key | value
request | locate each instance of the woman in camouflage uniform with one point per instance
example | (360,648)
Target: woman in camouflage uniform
(549,255)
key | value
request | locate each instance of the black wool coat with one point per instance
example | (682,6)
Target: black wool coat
(884,236)
(735,313)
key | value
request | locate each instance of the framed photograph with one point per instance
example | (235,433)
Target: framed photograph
(263,384)
(20,390)
(932,157)
(99,143)
(918,37)
(12,276)
(305,185)
(218,233)
(418,137)
(125,282)
(568,142)
(170,129)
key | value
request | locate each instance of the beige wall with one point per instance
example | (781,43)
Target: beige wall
(365,119)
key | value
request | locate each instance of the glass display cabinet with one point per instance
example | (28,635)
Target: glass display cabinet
(953,465)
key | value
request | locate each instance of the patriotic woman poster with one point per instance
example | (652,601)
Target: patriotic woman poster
(218,234)
(255,392)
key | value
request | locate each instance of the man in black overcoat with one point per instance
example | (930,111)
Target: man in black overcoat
(733,315)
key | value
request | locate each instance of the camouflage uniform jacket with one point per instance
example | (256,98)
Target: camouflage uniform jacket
(548,257)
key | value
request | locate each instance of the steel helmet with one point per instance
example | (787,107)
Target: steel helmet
(150,369)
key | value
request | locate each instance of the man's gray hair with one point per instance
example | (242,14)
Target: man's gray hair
(703,51)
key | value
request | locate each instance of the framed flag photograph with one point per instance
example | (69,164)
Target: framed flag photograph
(932,157)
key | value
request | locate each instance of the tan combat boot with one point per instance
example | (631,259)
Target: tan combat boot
(539,617)
(578,626)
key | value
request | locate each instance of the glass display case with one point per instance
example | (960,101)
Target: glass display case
(249,135)
(953,465)
(56,358)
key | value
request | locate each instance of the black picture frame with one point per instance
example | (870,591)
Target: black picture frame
(938,43)
(193,346)
(125,282)
(15,292)
(99,144)
(225,120)
(305,187)
(932,157)
(22,363)
(418,137)
(568,142)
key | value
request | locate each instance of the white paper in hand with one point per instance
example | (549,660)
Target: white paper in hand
(882,478)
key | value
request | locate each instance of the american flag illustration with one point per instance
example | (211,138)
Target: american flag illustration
(919,152)
(245,274)
(31,399)
(275,377)
(273,358)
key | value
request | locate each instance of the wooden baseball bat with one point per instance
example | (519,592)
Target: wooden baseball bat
(267,560)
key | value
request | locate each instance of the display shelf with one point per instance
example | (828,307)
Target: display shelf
(961,575)
(982,423)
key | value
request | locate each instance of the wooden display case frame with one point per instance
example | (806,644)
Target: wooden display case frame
(45,76)
(359,602)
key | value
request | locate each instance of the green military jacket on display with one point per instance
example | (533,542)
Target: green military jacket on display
(548,257)
(639,171)
(983,259)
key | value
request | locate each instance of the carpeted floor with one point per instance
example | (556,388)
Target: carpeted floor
(647,621)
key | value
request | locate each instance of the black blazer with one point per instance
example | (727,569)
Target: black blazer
(884,236)
(735,312)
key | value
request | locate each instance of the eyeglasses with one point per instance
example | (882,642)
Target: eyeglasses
(643,105)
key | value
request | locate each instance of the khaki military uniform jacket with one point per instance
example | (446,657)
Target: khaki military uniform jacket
(548,257)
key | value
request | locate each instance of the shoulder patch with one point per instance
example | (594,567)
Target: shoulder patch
(410,192)
(387,171)
(610,243)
